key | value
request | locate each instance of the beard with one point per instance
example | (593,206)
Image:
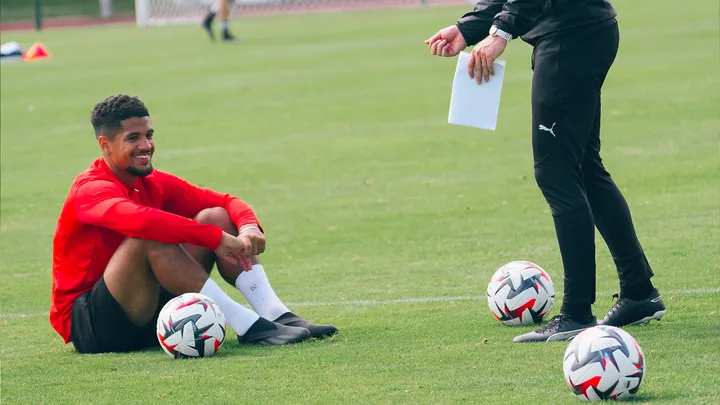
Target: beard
(140,172)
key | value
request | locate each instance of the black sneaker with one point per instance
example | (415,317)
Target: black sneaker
(560,327)
(627,311)
(207,25)
(264,332)
(316,331)
(227,36)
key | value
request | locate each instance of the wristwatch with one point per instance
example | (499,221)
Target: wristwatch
(497,32)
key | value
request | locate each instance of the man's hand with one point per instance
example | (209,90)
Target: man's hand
(255,237)
(447,42)
(235,249)
(480,63)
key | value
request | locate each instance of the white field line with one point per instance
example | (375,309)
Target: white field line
(417,300)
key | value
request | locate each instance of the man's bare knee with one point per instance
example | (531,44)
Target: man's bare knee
(219,217)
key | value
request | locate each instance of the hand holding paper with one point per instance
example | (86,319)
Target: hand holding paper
(475,105)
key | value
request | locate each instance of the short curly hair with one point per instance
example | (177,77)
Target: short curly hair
(109,113)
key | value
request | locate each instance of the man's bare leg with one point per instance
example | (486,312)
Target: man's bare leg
(139,268)
(224,16)
(253,284)
(221,9)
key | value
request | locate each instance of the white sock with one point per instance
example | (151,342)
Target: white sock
(225,25)
(256,288)
(237,316)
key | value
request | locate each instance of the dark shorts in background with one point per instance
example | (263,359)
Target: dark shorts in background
(100,325)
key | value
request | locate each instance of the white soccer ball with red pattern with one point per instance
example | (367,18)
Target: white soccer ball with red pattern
(191,325)
(520,293)
(604,362)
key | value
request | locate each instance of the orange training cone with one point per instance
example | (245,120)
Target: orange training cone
(36,51)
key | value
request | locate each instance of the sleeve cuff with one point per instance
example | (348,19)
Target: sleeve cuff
(214,242)
(471,36)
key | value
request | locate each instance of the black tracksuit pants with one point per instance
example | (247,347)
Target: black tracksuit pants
(569,69)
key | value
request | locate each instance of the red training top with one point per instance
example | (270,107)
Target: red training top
(100,211)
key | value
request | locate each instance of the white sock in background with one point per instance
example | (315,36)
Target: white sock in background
(237,316)
(254,285)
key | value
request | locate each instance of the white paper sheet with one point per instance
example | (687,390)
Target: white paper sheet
(475,105)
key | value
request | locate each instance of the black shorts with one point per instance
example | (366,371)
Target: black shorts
(100,325)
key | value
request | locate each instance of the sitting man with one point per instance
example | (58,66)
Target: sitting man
(129,238)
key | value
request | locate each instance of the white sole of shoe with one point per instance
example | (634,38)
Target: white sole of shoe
(656,316)
(565,335)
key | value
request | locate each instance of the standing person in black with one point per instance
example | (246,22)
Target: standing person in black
(574,44)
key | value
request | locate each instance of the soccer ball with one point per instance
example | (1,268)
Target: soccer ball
(520,293)
(604,362)
(191,325)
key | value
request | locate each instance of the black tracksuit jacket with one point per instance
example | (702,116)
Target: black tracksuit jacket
(531,20)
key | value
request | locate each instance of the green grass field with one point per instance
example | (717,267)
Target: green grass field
(381,218)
